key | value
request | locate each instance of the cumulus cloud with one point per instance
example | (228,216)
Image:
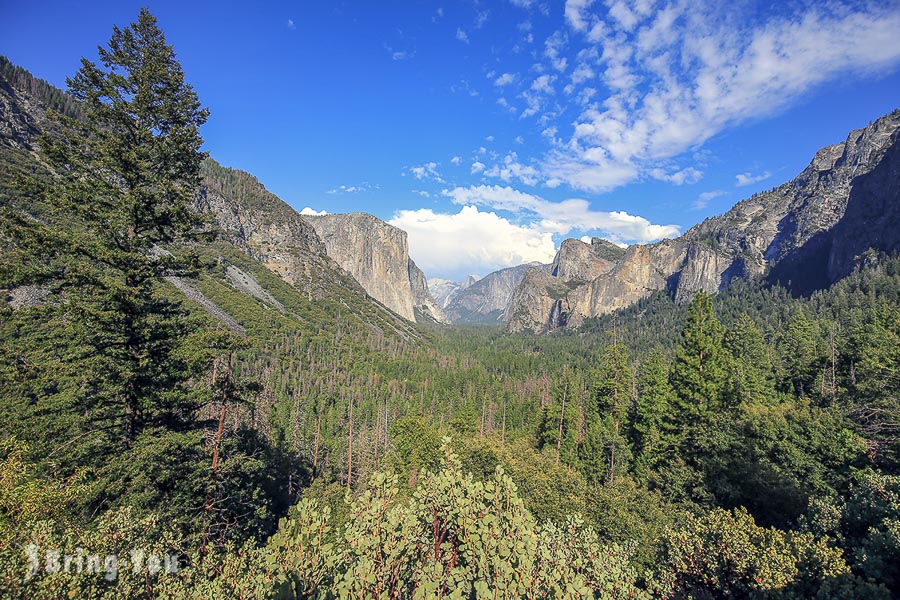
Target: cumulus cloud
(562,217)
(456,160)
(478,167)
(470,241)
(748,178)
(313,212)
(462,36)
(676,73)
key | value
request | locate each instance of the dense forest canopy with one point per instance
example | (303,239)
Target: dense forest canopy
(740,445)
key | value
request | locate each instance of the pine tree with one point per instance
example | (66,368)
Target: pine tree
(753,371)
(700,371)
(798,352)
(651,424)
(129,173)
(121,224)
(561,420)
(605,452)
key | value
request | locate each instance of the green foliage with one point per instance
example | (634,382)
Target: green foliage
(725,555)
(866,524)
(27,497)
(653,414)
(456,537)
(700,370)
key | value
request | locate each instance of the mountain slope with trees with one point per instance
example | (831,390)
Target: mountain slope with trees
(174,383)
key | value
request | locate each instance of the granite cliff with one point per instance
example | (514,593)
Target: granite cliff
(804,234)
(376,254)
(485,301)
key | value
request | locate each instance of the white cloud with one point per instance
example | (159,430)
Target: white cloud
(576,13)
(426,171)
(462,36)
(544,84)
(688,175)
(481,18)
(470,241)
(678,73)
(512,169)
(291,24)
(505,79)
(312,212)
(703,199)
(563,217)
(456,160)
(352,189)
(477,167)
(748,178)
(522,3)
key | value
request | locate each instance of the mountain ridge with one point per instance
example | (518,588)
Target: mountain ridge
(796,234)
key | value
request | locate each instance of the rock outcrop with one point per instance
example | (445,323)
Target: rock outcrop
(376,254)
(486,300)
(444,290)
(425,306)
(804,234)
(267,229)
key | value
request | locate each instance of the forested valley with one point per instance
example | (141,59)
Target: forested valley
(309,444)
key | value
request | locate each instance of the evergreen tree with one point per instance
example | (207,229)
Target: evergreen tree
(561,427)
(605,452)
(121,223)
(753,372)
(652,415)
(798,354)
(700,372)
(130,171)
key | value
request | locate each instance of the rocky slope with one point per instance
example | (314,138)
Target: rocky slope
(444,290)
(804,234)
(424,305)
(250,220)
(376,254)
(486,300)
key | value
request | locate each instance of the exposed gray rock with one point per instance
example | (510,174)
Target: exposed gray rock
(26,296)
(577,261)
(444,290)
(193,294)
(247,283)
(376,254)
(423,302)
(486,300)
(805,234)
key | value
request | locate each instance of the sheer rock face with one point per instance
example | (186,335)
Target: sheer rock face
(805,234)
(486,300)
(444,290)
(578,261)
(424,304)
(376,254)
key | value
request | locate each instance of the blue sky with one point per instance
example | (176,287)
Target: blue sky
(490,131)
